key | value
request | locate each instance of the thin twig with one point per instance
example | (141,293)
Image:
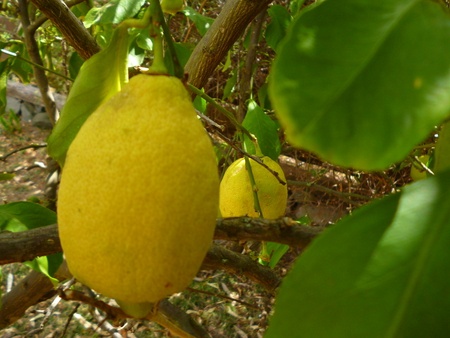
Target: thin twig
(339,194)
(223,297)
(69,319)
(33,146)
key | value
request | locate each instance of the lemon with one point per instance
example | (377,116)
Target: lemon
(139,195)
(171,6)
(236,194)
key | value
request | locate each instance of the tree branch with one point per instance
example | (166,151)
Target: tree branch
(39,74)
(219,257)
(220,37)
(283,230)
(245,86)
(26,245)
(69,25)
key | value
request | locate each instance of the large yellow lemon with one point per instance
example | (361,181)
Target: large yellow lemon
(236,193)
(139,194)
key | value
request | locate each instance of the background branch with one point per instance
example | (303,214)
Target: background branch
(245,86)
(212,48)
(69,25)
(39,73)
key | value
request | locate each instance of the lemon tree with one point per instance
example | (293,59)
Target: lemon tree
(349,87)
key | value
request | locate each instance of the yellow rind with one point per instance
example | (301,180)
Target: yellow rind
(236,194)
(139,193)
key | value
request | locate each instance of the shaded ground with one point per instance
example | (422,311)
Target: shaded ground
(26,183)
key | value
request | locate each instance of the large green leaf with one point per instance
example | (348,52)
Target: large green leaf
(23,216)
(382,272)
(99,78)
(361,82)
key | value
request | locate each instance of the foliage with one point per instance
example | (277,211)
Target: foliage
(11,122)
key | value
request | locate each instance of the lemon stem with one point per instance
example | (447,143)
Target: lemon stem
(156,19)
(256,204)
(138,23)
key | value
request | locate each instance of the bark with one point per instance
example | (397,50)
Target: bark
(245,86)
(284,231)
(69,25)
(26,245)
(226,29)
(221,258)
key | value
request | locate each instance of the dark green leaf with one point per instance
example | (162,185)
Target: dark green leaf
(361,83)
(75,63)
(183,55)
(276,251)
(276,30)
(382,272)
(100,77)
(265,130)
(6,176)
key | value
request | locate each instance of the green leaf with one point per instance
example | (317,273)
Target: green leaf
(382,272)
(360,83)
(441,158)
(143,39)
(99,78)
(265,130)
(201,22)
(230,85)
(135,54)
(4,73)
(23,216)
(115,11)
(200,103)
(6,176)
(276,251)
(276,29)
(75,63)
(183,55)
(263,97)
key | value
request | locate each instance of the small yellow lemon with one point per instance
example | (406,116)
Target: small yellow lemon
(139,195)
(236,194)
(171,6)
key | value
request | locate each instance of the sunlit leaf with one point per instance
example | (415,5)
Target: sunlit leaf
(99,78)
(115,11)
(201,22)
